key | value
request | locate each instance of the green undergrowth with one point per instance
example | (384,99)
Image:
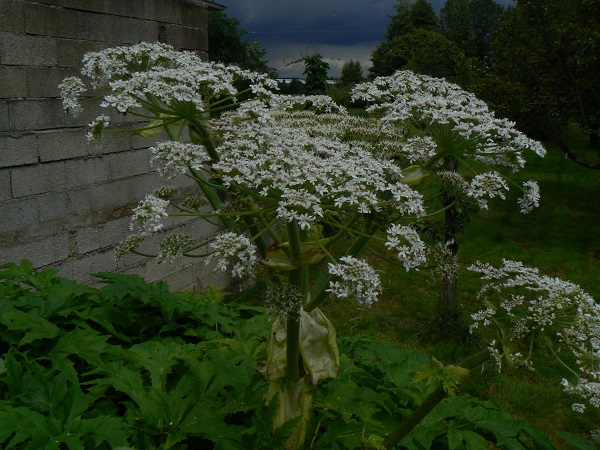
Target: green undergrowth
(134,366)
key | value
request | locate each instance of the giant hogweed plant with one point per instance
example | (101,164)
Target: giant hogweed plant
(295,200)
(297,187)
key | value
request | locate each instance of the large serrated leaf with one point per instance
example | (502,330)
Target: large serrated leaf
(34,327)
(85,343)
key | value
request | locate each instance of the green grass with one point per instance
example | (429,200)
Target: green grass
(561,238)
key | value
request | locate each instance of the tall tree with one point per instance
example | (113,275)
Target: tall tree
(547,66)
(422,16)
(226,44)
(471,23)
(315,69)
(455,20)
(352,73)
(400,23)
(409,17)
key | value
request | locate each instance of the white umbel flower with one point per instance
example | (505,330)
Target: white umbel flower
(356,279)
(149,214)
(231,249)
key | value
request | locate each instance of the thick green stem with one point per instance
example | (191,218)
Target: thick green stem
(408,424)
(204,138)
(299,278)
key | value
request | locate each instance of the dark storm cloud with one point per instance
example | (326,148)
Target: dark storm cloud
(338,29)
(333,22)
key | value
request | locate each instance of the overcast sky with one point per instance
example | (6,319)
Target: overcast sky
(340,30)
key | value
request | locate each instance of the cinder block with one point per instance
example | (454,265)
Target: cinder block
(4,118)
(65,268)
(48,20)
(25,50)
(40,252)
(187,38)
(93,263)
(11,16)
(38,179)
(87,172)
(84,5)
(61,245)
(46,2)
(13,82)
(70,51)
(62,144)
(17,150)
(161,11)
(5,191)
(129,164)
(134,31)
(104,236)
(78,207)
(108,28)
(110,143)
(145,184)
(53,206)
(125,9)
(40,114)
(43,82)
(107,197)
(194,16)
(17,215)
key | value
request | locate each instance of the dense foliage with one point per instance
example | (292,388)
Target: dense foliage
(133,365)
(227,44)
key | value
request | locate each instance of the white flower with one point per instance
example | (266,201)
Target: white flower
(531,196)
(358,280)
(409,97)
(177,157)
(578,407)
(148,215)
(228,247)
(97,126)
(408,244)
(70,90)
(535,304)
(488,184)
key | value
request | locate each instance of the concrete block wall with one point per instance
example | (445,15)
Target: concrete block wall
(63,202)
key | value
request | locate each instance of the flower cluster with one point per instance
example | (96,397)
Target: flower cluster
(358,280)
(139,74)
(538,305)
(406,241)
(177,157)
(488,184)
(97,126)
(233,249)
(285,300)
(531,196)
(148,215)
(305,173)
(172,246)
(406,97)
(70,90)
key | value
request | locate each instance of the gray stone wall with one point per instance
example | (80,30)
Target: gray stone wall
(63,202)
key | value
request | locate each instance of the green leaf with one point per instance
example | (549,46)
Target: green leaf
(35,327)
(85,343)
(576,441)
